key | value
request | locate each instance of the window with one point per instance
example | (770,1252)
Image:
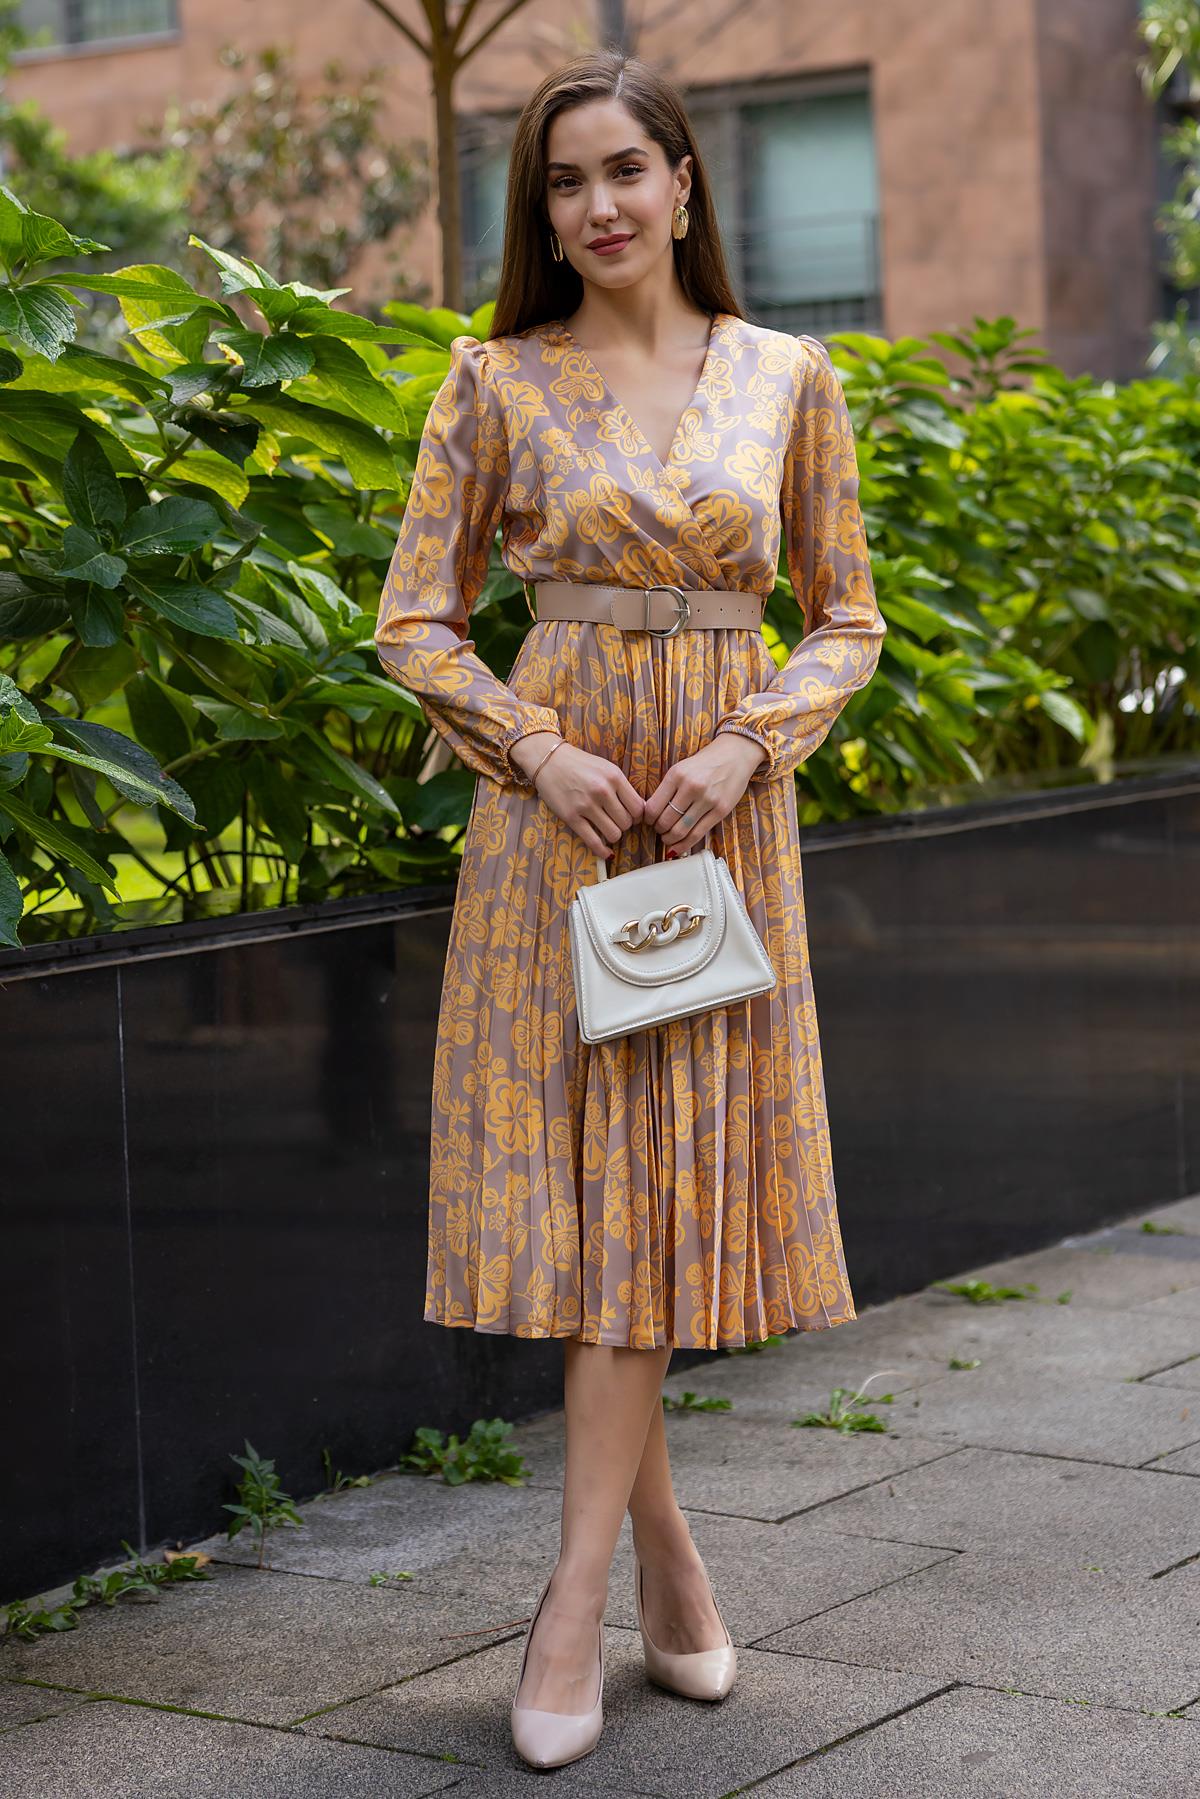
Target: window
(794,174)
(60,24)
(484,146)
(1173,108)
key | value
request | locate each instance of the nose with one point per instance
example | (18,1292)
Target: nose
(600,205)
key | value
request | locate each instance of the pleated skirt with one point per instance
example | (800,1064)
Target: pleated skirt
(670,1187)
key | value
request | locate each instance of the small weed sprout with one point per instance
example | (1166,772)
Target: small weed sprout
(486,1454)
(689,1402)
(334,1483)
(842,1414)
(983,1293)
(28,1622)
(261,1502)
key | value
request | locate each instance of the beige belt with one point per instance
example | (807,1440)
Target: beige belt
(661,609)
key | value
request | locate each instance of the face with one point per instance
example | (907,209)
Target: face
(606,180)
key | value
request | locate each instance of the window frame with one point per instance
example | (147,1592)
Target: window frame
(722,105)
(99,46)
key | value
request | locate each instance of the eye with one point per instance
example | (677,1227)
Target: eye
(628,168)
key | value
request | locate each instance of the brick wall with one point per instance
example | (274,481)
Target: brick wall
(1015,150)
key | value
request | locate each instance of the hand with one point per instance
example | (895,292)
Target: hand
(589,793)
(704,788)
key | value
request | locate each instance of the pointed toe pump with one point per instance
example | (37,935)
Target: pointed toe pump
(548,1739)
(702,1674)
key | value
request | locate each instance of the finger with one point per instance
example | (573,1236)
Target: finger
(699,831)
(605,815)
(669,801)
(614,805)
(587,833)
(658,808)
(629,796)
(683,823)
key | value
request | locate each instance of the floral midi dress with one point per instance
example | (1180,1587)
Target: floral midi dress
(674,1186)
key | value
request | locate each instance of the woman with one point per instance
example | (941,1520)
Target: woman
(627,428)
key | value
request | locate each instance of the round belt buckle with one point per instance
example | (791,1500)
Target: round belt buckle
(681,601)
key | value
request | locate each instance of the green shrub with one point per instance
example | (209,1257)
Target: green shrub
(194,536)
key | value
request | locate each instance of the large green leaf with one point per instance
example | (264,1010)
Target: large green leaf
(266,360)
(169,526)
(30,237)
(22,705)
(346,378)
(91,492)
(84,559)
(44,424)
(56,839)
(32,613)
(18,733)
(82,370)
(125,764)
(186,603)
(280,805)
(169,317)
(159,717)
(207,468)
(11,904)
(368,460)
(229,434)
(98,615)
(39,316)
(93,675)
(312,752)
(236,724)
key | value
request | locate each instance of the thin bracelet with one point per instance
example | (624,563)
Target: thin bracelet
(541,765)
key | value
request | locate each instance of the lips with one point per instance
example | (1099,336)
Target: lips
(610,243)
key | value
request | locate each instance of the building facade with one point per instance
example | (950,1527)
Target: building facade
(890,165)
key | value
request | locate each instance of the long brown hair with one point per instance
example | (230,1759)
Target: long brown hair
(533,287)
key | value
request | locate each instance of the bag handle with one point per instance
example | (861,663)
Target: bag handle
(602,865)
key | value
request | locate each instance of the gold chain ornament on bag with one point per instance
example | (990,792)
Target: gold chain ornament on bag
(659,927)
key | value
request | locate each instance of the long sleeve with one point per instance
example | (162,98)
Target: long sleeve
(825,547)
(438,569)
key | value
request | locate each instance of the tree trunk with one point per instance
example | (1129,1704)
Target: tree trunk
(442,69)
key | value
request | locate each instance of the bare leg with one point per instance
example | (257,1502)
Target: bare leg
(611,1394)
(680,1614)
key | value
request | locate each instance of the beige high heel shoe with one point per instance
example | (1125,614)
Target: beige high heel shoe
(701,1674)
(548,1739)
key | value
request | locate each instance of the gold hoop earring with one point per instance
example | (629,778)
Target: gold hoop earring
(679,221)
(556,249)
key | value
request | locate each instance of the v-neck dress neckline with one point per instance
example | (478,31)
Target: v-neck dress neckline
(714,330)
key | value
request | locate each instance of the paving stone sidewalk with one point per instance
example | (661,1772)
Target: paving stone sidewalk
(999,1595)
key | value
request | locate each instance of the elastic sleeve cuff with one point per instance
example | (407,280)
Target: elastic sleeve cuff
(545,720)
(765,769)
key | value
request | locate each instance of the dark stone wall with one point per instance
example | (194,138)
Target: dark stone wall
(215,1151)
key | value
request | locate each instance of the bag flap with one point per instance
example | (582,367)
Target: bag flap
(654,906)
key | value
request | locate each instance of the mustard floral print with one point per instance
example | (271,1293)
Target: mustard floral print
(674,1186)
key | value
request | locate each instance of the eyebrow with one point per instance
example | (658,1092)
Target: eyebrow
(617,156)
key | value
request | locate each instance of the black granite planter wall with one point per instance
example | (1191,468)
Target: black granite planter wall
(215,1145)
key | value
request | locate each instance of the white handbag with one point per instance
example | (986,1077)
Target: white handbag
(659,942)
